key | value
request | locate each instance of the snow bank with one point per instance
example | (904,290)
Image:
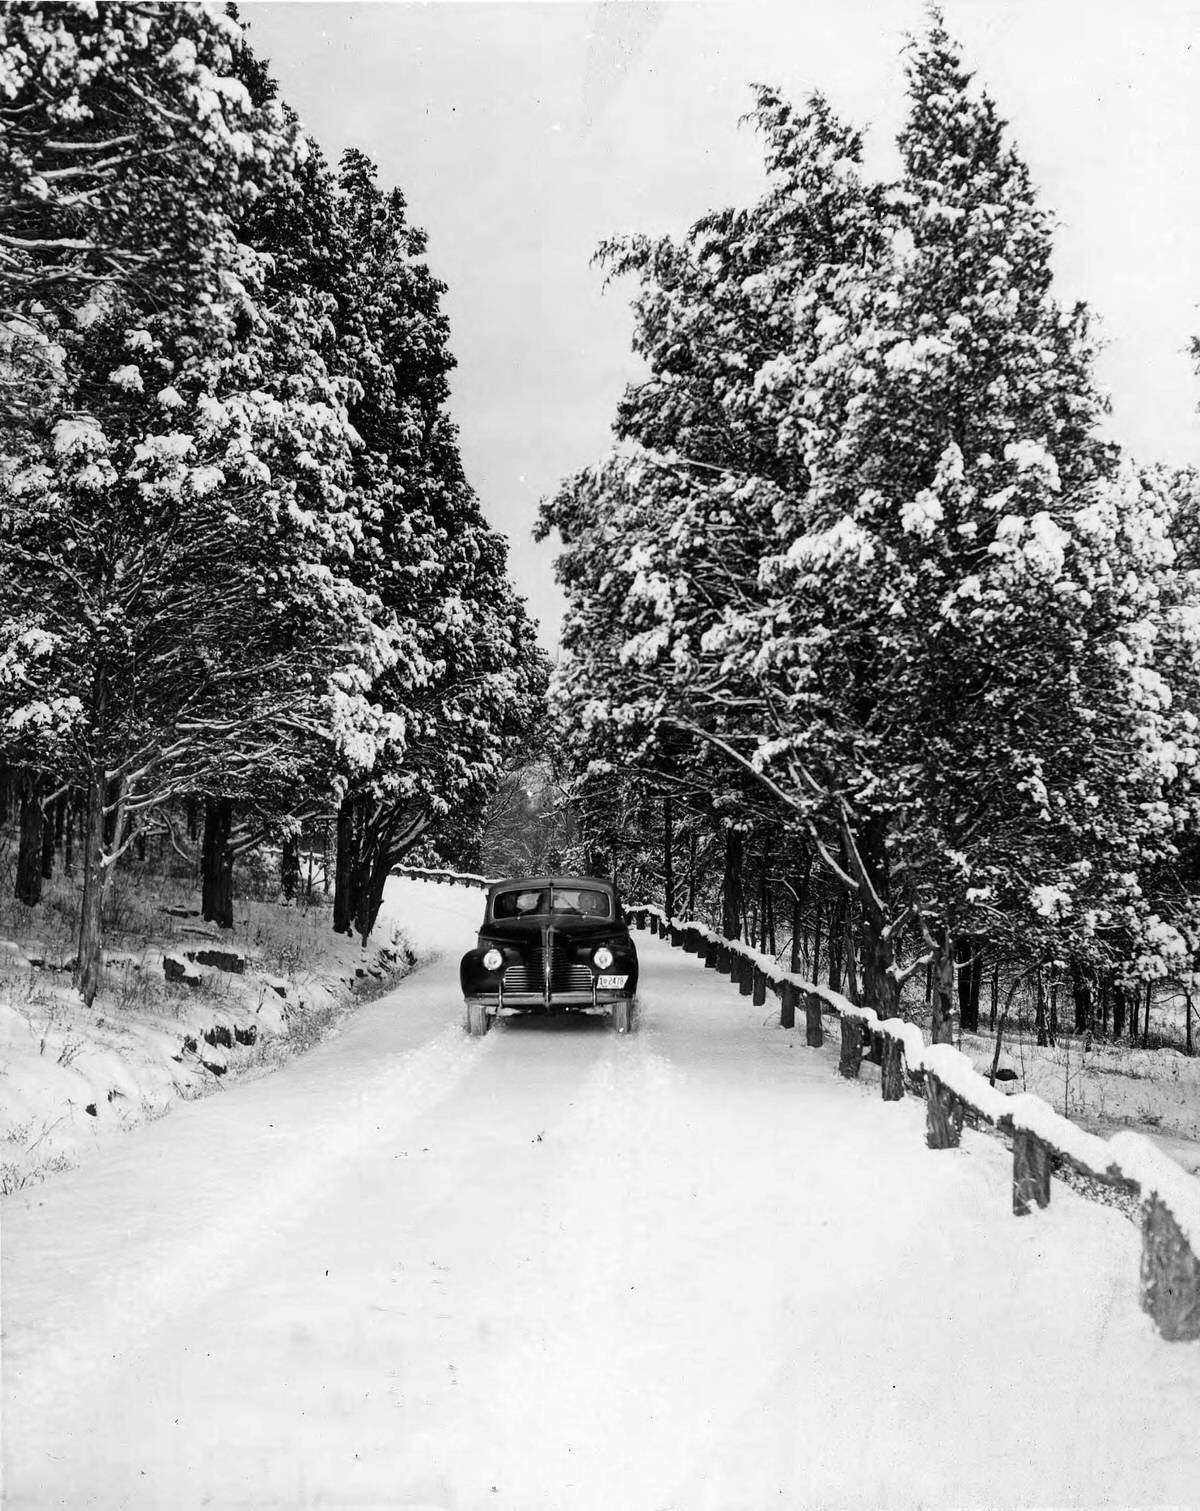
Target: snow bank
(172,1019)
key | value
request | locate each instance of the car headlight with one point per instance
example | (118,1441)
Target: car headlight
(493,960)
(603,957)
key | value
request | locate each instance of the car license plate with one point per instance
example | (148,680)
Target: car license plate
(611,983)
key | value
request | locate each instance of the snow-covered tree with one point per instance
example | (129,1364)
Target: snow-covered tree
(468,677)
(176,519)
(865,543)
(125,134)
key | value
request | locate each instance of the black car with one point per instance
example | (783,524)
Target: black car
(551,943)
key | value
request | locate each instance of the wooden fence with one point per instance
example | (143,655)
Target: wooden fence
(1042,1140)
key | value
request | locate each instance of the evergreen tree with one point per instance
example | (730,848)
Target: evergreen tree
(865,543)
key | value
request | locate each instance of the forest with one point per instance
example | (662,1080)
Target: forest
(880,650)
(247,595)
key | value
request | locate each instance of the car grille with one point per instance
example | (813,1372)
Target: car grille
(529,975)
(569,976)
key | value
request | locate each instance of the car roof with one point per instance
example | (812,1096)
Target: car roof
(549,881)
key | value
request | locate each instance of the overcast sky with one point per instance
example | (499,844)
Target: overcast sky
(523,133)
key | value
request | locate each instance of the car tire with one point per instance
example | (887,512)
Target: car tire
(623,1015)
(478,1019)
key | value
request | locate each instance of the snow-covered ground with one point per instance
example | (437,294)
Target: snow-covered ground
(555,1269)
(1106,1087)
(73,1077)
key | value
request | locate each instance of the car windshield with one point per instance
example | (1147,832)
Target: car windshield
(526,902)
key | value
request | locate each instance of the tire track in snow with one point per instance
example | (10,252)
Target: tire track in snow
(163,1279)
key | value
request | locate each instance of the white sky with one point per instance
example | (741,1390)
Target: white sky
(523,133)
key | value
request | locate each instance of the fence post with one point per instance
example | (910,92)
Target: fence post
(1170,1275)
(943,1115)
(745,976)
(712,954)
(1031,1171)
(891,1077)
(814,1028)
(787,1004)
(759,986)
(850,1060)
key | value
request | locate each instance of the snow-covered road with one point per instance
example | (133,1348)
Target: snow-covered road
(554,1269)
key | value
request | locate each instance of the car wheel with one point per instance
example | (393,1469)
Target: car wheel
(478,1021)
(623,1015)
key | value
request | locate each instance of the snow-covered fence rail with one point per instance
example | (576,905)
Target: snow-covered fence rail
(1041,1138)
(443,877)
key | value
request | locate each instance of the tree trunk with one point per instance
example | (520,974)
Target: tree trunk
(880,989)
(68,835)
(798,891)
(968,952)
(344,907)
(866,855)
(833,948)
(1053,1012)
(289,868)
(89,956)
(668,859)
(731,888)
(216,897)
(1082,993)
(374,867)
(852,990)
(49,820)
(943,989)
(28,888)
(1039,1019)
(1118,1010)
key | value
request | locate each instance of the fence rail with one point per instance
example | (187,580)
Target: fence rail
(953,1089)
(443,877)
